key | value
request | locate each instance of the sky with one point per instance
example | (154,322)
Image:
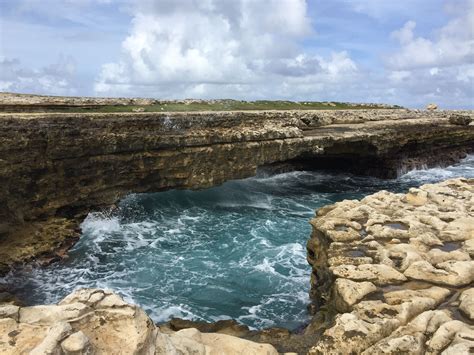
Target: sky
(405,52)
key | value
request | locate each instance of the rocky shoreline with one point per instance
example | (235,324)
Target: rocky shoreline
(397,270)
(392,273)
(57,167)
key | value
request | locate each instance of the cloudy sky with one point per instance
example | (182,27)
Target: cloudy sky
(407,52)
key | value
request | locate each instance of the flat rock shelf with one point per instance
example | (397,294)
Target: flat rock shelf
(396,271)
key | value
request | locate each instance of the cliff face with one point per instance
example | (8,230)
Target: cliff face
(57,166)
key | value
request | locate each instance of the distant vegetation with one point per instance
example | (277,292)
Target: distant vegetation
(234,105)
(222,105)
(11,102)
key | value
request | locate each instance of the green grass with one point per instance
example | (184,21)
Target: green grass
(218,105)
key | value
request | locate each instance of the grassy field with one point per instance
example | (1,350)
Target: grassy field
(220,105)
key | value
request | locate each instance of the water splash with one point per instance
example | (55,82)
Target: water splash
(233,251)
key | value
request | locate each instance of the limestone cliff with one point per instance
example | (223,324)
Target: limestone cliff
(55,167)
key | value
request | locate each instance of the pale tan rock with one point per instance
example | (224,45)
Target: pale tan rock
(226,344)
(431,107)
(467,303)
(92,321)
(448,332)
(437,294)
(17,338)
(86,296)
(436,256)
(76,344)
(351,334)
(462,228)
(348,292)
(50,314)
(376,273)
(428,235)
(112,301)
(51,343)
(410,339)
(452,273)
(468,247)
(416,197)
(9,311)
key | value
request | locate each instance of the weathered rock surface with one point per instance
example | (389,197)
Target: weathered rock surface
(398,269)
(462,120)
(55,167)
(92,321)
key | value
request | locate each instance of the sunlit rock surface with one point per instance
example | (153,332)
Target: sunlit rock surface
(398,270)
(93,321)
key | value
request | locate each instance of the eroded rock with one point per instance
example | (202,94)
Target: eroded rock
(399,293)
(467,303)
(93,321)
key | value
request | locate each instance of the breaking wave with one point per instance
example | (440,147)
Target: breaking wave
(233,251)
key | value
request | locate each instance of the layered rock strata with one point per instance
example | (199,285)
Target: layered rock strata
(54,168)
(398,271)
(92,321)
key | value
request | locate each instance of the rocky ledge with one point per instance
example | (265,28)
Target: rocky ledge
(397,271)
(93,321)
(56,167)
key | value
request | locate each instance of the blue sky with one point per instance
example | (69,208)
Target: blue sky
(401,52)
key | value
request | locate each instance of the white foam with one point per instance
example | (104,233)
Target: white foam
(98,223)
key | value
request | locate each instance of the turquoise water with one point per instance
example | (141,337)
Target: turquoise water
(232,251)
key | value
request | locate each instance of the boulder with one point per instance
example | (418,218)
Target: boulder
(76,344)
(460,120)
(431,107)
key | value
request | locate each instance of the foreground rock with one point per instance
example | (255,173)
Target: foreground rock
(56,167)
(92,321)
(398,271)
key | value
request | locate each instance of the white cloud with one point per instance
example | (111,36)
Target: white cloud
(440,68)
(452,45)
(53,79)
(242,48)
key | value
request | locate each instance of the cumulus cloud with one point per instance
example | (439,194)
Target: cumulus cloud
(439,68)
(453,44)
(56,78)
(244,48)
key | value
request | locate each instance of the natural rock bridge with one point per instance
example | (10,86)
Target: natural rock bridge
(55,167)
